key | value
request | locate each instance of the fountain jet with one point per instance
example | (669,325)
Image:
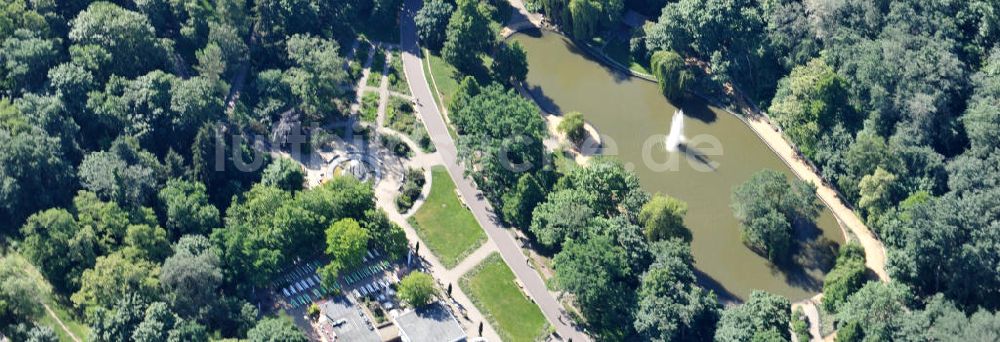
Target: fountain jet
(676,136)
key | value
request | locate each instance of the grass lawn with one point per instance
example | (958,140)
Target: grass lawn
(79,329)
(444,76)
(492,288)
(447,226)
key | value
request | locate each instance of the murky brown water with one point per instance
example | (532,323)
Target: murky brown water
(634,118)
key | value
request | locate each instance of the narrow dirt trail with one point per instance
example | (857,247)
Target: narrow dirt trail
(61,325)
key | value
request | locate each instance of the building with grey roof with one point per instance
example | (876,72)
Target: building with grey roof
(431,323)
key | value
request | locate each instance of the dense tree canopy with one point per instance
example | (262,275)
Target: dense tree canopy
(764,317)
(769,207)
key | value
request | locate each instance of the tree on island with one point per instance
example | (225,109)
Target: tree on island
(768,206)
(572,126)
(417,289)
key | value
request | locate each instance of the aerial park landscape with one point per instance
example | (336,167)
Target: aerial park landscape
(499,170)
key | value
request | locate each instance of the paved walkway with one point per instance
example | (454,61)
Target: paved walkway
(508,247)
(874,250)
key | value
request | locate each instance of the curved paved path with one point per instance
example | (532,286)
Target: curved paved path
(508,247)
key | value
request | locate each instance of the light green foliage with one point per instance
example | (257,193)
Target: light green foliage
(662,218)
(809,101)
(59,247)
(879,191)
(147,243)
(317,76)
(21,293)
(113,277)
(586,16)
(16,14)
(346,243)
(572,125)
(672,75)
(764,317)
(767,205)
(417,289)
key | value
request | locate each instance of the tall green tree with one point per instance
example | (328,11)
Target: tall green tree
(596,271)
(671,306)
(417,289)
(764,317)
(285,174)
(468,35)
(846,277)
(275,330)
(662,218)
(768,206)
(671,73)
(318,77)
(127,36)
(432,22)
(519,203)
(510,63)
(810,100)
(185,209)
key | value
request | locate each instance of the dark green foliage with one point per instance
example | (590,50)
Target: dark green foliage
(184,206)
(768,206)
(432,21)
(35,172)
(564,214)
(879,308)
(494,156)
(519,203)
(846,277)
(468,35)
(764,317)
(191,277)
(730,34)
(671,306)
(413,185)
(671,74)
(510,63)
(317,76)
(596,270)
(284,173)
(26,58)
(125,174)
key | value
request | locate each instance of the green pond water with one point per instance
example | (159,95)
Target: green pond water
(722,152)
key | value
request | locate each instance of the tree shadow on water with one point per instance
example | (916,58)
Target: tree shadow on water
(696,108)
(545,102)
(724,296)
(812,257)
(695,155)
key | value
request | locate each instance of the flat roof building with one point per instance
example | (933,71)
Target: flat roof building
(431,323)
